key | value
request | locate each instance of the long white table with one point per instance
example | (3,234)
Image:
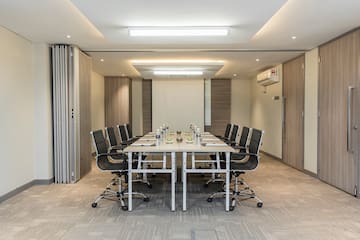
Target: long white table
(212,145)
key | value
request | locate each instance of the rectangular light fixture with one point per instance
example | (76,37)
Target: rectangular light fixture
(177,61)
(177,72)
(178,32)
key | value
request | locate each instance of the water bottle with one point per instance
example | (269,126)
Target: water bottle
(157,136)
(198,135)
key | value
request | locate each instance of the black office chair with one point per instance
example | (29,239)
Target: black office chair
(119,168)
(241,146)
(227,132)
(124,135)
(233,135)
(113,143)
(129,133)
(239,166)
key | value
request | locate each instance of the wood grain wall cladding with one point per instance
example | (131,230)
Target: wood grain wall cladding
(85,66)
(293,92)
(338,70)
(220,105)
(117,101)
(147,105)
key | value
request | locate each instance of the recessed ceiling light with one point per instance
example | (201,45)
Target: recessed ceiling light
(178,31)
(258,60)
(101,60)
(293,37)
(177,72)
(68,36)
(234,74)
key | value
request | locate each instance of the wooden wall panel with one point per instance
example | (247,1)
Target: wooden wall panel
(85,66)
(117,101)
(338,69)
(220,105)
(293,92)
(147,105)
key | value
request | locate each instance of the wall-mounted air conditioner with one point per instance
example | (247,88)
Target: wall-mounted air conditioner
(268,77)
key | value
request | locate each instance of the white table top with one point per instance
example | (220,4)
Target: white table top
(171,145)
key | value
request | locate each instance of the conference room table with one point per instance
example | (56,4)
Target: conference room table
(207,143)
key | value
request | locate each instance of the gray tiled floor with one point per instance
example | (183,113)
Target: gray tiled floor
(296,206)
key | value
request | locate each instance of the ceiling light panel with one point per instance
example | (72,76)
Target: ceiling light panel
(170,61)
(177,72)
(178,32)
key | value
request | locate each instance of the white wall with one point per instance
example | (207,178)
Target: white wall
(267,114)
(97,102)
(178,102)
(43,150)
(17,96)
(241,102)
(311,110)
(137,110)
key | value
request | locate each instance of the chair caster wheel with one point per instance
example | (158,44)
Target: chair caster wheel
(231,208)
(149,185)
(259,204)
(209,199)
(124,208)
(146,199)
(206,185)
(94,205)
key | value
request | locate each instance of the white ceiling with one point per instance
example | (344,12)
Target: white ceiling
(255,25)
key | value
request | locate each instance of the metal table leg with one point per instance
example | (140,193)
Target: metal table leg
(227,184)
(184,160)
(130,181)
(173,180)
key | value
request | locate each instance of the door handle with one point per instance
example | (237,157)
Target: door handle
(349,118)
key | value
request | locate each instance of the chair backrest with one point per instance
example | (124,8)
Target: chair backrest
(110,132)
(122,133)
(128,130)
(234,132)
(244,136)
(255,141)
(100,145)
(227,130)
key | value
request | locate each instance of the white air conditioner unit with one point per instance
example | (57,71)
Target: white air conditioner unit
(268,77)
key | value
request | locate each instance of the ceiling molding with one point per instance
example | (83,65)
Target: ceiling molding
(191,50)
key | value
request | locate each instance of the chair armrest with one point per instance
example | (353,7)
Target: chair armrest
(110,154)
(232,143)
(245,154)
(239,147)
(118,147)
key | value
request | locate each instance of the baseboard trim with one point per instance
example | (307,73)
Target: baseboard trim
(270,155)
(26,186)
(310,173)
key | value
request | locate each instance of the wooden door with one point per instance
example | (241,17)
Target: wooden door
(220,105)
(147,105)
(293,92)
(338,98)
(117,101)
